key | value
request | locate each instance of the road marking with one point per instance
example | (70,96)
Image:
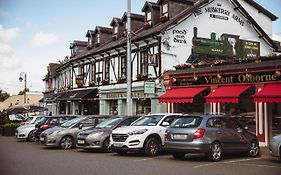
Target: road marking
(256,165)
(232,161)
(140,160)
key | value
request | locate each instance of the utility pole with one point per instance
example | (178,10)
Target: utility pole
(23,74)
(129,62)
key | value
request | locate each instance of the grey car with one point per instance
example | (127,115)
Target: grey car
(65,136)
(98,137)
(275,146)
(212,135)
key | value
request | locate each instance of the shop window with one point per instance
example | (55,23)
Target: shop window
(143,107)
(113,107)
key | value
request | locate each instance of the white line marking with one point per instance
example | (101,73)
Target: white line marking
(265,166)
(140,160)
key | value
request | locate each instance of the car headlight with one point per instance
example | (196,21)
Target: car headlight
(95,135)
(137,132)
(55,132)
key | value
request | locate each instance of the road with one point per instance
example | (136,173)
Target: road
(25,158)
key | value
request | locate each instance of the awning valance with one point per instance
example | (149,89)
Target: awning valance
(76,95)
(181,95)
(226,94)
(271,93)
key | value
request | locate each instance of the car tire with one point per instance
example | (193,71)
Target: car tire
(215,153)
(31,136)
(178,155)
(106,146)
(254,149)
(66,142)
(152,147)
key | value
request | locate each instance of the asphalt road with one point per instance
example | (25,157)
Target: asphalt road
(25,158)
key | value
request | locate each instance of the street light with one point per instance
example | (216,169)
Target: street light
(23,74)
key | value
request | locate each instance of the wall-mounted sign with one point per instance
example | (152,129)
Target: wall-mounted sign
(229,79)
(149,87)
(180,36)
(122,95)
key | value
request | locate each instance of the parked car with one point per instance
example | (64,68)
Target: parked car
(213,135)
(275,146)
(49,122)
(98,137)
(16,117)
(65,136)
(31,120)
(145,134)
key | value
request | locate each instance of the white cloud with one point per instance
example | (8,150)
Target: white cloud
(7,61)
(276,37)
(8,35)
(43,39)
(3,12)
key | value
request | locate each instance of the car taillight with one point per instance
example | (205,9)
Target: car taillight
(199,133)
(166,136)
(44,127)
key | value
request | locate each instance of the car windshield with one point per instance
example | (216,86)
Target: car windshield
(29,119)
(151,120)
(37,119)
(41,120)
(109,123)
(187,122)
(72,122)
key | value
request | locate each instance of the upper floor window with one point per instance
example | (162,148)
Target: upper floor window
(144,63)
(148,18)
(90,41)
(123,68)
(164,9)
(126,25)
(106,70)
(98,39)
(115,30)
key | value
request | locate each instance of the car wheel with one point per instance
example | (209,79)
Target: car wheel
(152,147)
(31,136)
(106,147)
(66,142)
(215,153)
(178,155)
(254,149)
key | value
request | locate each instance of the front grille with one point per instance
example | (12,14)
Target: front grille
(119,137)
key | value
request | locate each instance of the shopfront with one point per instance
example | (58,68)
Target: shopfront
(249,91)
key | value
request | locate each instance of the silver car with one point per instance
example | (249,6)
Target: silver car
(98,137)
(212,135)
(275,146)
(65,136)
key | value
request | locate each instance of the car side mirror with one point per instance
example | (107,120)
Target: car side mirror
(165,124)
(80,126)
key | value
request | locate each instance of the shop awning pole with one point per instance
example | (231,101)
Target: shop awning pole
(129,64)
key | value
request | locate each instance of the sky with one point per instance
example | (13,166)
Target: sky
(34,33)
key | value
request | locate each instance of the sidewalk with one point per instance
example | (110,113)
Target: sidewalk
(264,152)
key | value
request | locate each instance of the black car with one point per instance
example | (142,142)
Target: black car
(49,122)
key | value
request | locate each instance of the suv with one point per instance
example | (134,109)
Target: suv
(145,134)
(98,137)
(212,135)
(65,136)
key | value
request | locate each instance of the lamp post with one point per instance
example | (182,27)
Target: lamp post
(23,77)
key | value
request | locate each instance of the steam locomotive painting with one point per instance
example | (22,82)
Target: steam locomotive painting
(226,47)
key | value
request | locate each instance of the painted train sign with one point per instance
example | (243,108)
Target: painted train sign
(227,46)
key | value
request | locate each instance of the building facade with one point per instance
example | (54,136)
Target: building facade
(195,45)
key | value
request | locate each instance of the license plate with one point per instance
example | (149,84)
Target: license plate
(117,144)
(81,142)
(179,136)
(42,139)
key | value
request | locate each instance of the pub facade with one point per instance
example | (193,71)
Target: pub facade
(189,56)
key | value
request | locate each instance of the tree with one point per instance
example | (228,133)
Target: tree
(22,92)
(3,95)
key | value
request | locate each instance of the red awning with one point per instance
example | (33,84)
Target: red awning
(226,94)
(181,95)
(271,93)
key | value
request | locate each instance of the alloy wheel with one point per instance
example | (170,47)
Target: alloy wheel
(216,152)
(66,142)
(254,149)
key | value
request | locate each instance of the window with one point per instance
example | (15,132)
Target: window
(187,122)
(115,30)
(123,67)
(98,39)
(106,70)
(90,42)
(144,63)
(165,10)
(169,119)
(126,26)
(148,18)
(215,123)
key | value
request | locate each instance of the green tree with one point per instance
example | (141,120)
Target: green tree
(3,95)
(22,92)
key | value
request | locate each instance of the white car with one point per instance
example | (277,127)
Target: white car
(25,132)
(146,134)
(31,120)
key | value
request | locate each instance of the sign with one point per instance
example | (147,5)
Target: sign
(149,87)
(122,95)
(229,79)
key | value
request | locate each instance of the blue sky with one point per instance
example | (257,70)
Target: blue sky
(34,33)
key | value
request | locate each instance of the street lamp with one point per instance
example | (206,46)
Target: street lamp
(23,74)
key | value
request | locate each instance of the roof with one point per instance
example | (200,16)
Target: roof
(150,4)
(90,33)
(134,16)
(116,20)
(262,9)
(103,29)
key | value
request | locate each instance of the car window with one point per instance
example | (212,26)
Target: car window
(187,122)
(232,123)
(89,122)
(151,120)
(169,119)
(53,121)
(127,121)
(216,122)
(109,123)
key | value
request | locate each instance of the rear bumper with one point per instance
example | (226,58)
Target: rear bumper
(187,147)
